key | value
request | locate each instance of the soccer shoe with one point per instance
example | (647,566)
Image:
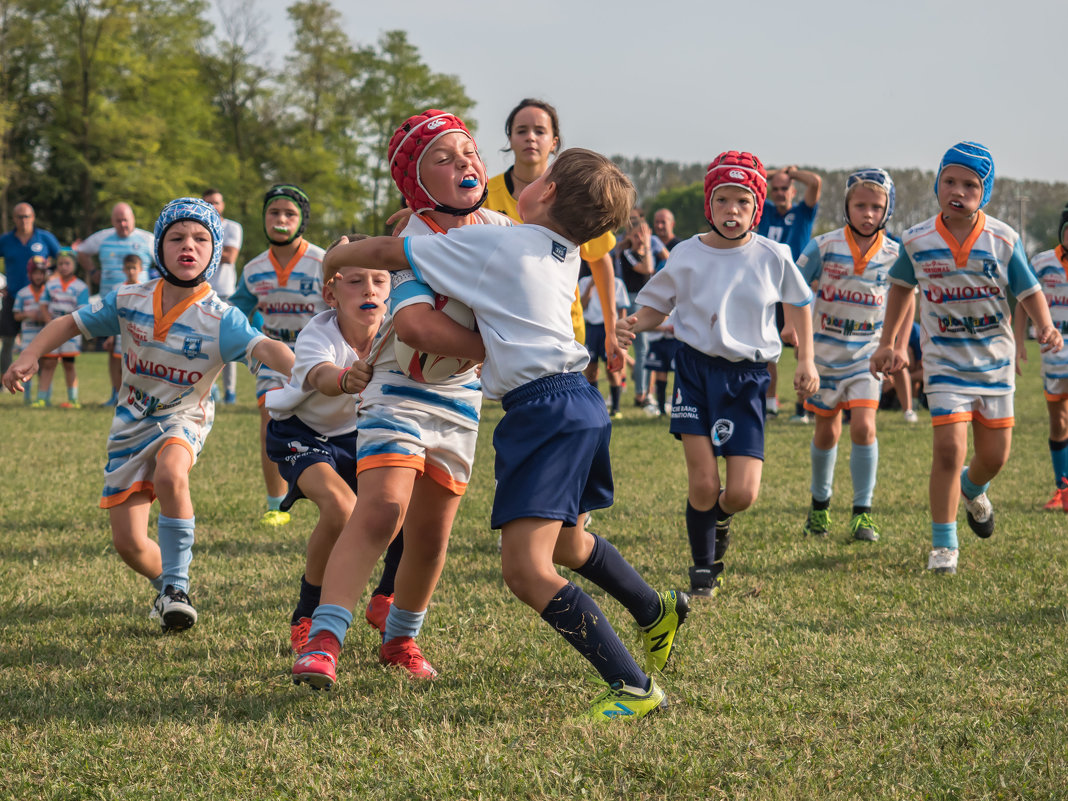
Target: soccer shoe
(404,652)
(706,582)
(40,403)
(659,636)
(818,523)
(623,701)
(275,517)
(174,610)
(771,406)
(317,664)
(863,528)
(298,634)
(377,611)
(230,398)
(652,410)
(943,560)
(1059,501)
(911,416)
(980,514)
(70,405)
(802,419)
(616,415)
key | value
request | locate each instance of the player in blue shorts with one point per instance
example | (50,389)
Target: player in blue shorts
(552,458)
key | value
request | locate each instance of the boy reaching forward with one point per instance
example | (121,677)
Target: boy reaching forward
(552,459)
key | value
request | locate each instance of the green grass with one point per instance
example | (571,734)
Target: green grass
(826,669)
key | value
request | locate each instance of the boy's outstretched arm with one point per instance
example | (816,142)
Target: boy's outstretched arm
(47,340)
(376,252)
(799,318)
(331,380)
(890,356)
(424,328)
(275,355)
(1046,333)
(645,320)
(1019,333)
(604,278)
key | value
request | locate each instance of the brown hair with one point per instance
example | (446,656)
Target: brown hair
(330,272)
(592,194)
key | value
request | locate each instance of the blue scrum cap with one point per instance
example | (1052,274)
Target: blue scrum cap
(972,156)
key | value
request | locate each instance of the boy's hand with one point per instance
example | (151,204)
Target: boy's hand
(616,355)
(17,373)
(1050,339)
(400,219)
(806,379)
(357,376)
(887,360)
(624,334)
(344,240)
(1021,356)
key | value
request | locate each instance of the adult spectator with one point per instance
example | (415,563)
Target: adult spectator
(664,227)
(224,282)
(110,246)
(16,248)
(785,221)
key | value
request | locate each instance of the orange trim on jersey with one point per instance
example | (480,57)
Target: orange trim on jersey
(1062,257)
(440,477)
(282,273)
(163,322)
(961,250)
(417,463)
(65,284)
(856,403)
(860,262)
(997,422)
(1054,398)
(946,419)
(112,501)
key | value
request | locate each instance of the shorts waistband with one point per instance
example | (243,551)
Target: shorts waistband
(741,366)
(543,386)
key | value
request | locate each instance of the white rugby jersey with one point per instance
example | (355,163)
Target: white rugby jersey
(520,283)
(29,300)
(847,317)
(724,298)
(967,341)
(1051,268)
(111,249)
(169,361)
(63,296)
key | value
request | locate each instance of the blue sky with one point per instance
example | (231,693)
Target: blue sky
(834,84)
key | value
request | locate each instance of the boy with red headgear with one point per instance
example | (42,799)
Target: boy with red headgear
(723,286)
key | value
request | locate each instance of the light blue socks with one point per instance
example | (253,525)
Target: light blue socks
(176,550)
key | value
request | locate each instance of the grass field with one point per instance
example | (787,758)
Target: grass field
(826,669)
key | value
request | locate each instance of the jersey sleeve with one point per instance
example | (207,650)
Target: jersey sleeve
(452,264)
(20,301)
(407,290)
(903,271)
(1022,280)
(659,293)
(599,247)
(309,351)
(794,289)
(810,262)
(101,318)
(233,234)
(237,338)
(91,244)
(243,299)
(622,298)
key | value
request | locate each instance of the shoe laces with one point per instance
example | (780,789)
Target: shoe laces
(864,520)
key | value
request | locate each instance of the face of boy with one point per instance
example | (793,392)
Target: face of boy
(132,271)
(187,249)
(867,205)
(65,266)
(358,294)
(38,275)
(532,140)
(282,219)
(452,172)
(733,209)
(959,192)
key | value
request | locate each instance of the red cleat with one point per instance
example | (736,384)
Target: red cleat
(317,665)
(403,652)
(378,611)
(298,635)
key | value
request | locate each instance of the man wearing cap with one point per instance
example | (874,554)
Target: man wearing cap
(17,247)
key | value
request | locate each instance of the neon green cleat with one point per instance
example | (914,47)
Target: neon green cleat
(659,636)
(274,517)
(818,523)
(622,701)
(863,528)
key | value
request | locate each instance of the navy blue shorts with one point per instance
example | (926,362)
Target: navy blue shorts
(595,342)
(720,399)
(551,446)
(661,354)
(294,446)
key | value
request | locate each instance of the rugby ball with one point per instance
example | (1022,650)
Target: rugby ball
(431,368)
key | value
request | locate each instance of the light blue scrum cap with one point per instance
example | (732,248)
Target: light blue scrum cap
(196,210)
(972,156)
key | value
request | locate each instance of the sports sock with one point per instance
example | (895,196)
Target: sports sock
(579,620)
(157,583)
(799,408)
(615,394)
(822,471)
(723,533)
(275,504)
(308,600)
(607,568)
(72,393)
(389,565)
(27,392)
(863,466)
(176,550)
(944,535)
(1058,452)
(970,489)
(45,395)
(332,618)
(701,530)
(402,623)
(661,394)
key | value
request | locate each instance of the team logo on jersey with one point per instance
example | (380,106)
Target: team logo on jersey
(400,278)
(296,447)
(559,251)
(307,286)
(722,430)
(990,269)
(788,220)
(191,347)
(36,247)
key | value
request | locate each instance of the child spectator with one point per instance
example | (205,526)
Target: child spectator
(64,293)
(552,444)
(29,311)
(176,335)
(285,285)
(312,432)
(722,287)
(849,267)
(1051,269)
(595,337)
(965,264)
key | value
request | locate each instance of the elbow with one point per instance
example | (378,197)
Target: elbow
(411,334)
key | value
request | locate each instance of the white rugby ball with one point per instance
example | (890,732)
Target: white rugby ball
(430,368)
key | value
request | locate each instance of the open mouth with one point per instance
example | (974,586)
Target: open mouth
(280,229)
(470,182)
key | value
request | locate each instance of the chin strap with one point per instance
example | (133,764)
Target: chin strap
(463,212)
(182,282)
(853,228)
(729,238)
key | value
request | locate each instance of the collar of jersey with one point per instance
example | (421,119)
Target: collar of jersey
(281,272)
(961,250)
(860,261)
(163,322)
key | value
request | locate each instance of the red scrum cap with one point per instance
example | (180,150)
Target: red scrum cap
(737,168)
(406,149)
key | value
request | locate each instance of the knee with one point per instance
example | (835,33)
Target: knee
(739,498)
(171,485)
(385,519)
(573,551)
(862,433)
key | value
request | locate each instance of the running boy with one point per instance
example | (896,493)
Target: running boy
(552,444)
(64,292)
(29,310)
(965,264)
(722,287)
(285,284)
(1051,268)
(176,335)
(850,266)
(595,337)
(312,432)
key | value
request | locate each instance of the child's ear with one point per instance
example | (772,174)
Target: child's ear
(548,193)
(328,294)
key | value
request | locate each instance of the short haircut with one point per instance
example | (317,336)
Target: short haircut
(209,191)
(592,194)
(131,258)
(330,272)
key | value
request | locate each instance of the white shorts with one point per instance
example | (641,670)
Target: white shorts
(132,455)
(1056,388)
(398,436)
(989,411)
(856,391)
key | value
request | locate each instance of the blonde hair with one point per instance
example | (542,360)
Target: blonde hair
(592,194)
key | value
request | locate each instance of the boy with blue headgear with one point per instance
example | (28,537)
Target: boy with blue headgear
(965,264)
(176,334)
